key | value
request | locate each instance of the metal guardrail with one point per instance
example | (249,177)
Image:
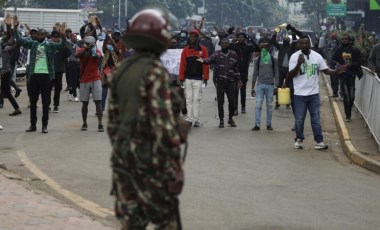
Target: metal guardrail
(367,101)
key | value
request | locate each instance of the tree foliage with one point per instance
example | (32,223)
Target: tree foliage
(315,9)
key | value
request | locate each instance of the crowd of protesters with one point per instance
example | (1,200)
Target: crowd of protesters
(88,57)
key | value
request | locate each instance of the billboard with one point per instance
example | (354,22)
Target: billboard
(336,8)
(374,4)
(87,5)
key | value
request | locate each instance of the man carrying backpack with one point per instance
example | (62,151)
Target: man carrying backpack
(266,74)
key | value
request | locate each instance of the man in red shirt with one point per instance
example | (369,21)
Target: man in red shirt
(191,75)
(90,80)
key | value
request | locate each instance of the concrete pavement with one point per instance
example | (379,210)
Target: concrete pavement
(357,141)
(22,208)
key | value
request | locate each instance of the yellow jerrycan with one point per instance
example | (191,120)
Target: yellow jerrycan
(283,96)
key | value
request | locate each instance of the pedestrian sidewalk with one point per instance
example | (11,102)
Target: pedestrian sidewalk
(21,208)
(357,141)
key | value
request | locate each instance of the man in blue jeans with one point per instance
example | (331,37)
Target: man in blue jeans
(266,74)
(304,66)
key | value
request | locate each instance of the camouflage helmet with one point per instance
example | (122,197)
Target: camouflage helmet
(149,30)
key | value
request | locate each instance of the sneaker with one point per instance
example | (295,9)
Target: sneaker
(256,128)
(76,99)
(298,144)
(100,128)
(55,110)
(269,127)
(347,120)
(243,110)
(1,127)
(221,124)
(236,113)
(231,122)
(321,145)
(84,127)
(71,97)
(197,124)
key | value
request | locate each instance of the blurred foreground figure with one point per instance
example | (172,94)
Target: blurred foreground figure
(145,129)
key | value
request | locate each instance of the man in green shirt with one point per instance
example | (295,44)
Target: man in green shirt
(41,70)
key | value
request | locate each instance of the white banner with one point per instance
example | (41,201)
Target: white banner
(171,60)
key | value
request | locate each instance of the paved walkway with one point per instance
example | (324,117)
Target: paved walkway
(21,208)
(357,140)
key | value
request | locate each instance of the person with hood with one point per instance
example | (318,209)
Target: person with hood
(350,57)
(244,52)
(192,74)
(41,70)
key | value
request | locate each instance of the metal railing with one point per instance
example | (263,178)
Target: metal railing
(367,101)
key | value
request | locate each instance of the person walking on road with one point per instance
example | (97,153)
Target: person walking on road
(244,52)
(192,74)
(90,80)
(305,66)
(226,74)
(8,46)
(73,69)
(349,57)
(41,70)
(60,59)
(144,129)
(265,71)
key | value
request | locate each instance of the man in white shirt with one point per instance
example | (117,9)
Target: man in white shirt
(304,66)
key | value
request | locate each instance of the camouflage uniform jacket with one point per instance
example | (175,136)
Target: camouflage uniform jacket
(142,127)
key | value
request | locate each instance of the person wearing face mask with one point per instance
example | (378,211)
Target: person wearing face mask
(41,70)
(285,50)
(244,52)
(226,74)
(350,57)
(265,71)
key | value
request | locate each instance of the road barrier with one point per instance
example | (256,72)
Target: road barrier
(367,101)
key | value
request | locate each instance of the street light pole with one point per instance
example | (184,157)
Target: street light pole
(204,10)
(119,15)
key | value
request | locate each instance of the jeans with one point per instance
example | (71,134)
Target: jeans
(264,90)
(301,105)
(347,85)
(225,87)
(334,81)
(57,83)
(72,77)
(39,83)
(193,93)
(242,90)
(104,96)
(6,89)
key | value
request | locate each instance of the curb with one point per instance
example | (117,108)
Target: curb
(348,148)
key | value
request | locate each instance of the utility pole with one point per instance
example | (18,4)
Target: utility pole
(204,10)
(119,15)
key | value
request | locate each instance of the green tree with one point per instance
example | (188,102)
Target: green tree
(314,9)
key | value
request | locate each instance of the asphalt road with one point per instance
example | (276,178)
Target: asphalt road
(236,179)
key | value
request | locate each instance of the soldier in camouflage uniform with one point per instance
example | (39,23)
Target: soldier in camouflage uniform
(145,131)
